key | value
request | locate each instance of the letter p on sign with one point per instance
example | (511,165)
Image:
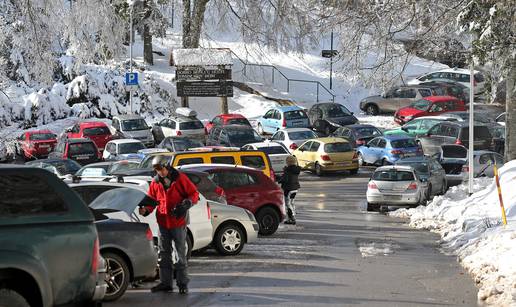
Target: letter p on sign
(131,78)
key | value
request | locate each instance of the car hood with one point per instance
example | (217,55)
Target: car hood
(138,134)
(408,111)
(123,199)
(342,121)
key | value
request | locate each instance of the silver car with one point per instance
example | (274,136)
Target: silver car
(395,185)
(133,127)
(429,170)
(276,151)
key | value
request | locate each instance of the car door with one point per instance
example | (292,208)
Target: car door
(407,96)
(276,121)
(169,127)
(241,188)
(432,141)
(302,153)
(109,151)
(213,137)
(312,154)
(380,150)
(391,102)
(265,120)
(367,150)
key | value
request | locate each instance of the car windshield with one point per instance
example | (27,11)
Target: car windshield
(65,167)
(81,149)
(298,114)
(122,166)
(273,150)
(134,124)
(243,136)
(421,105)
(336,110)
(393,175)
(238,121)
(337,147)
(130,147)
(367,132)
(302,135)
(42,136)
(183,144)
(419,167)
(97,131)
(404,143)
(191,125)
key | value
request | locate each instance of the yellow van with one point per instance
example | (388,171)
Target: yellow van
(251,158)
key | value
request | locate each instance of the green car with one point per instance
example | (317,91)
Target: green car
(418,126)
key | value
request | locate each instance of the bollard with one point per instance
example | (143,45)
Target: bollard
(497,179)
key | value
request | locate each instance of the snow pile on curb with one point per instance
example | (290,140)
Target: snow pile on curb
(470,227)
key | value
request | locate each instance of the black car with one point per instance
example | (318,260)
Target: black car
(358,134)
(60,167)
(177,143)
(327,117)
(84,151)
(232,136)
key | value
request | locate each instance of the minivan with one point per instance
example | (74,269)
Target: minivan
(133,127)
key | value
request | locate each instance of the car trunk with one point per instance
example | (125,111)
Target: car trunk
(453,157)
(44,147)
(342,158)
(393,186)
(482,137)
(83,153)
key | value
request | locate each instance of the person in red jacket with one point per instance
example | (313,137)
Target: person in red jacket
(175,194)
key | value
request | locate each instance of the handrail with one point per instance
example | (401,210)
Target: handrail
(274,69)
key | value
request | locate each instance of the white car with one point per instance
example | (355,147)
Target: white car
(293,137)
(276,151)
(121,149)
(395,185)
(200,229)
(459,75)
(184,124)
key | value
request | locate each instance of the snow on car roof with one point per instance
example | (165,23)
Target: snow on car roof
(125,141)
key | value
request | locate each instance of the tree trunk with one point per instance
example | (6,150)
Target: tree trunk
(187,18)
(147,36)
(193,19)
(510,118)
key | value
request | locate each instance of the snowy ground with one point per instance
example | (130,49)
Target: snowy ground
(471,227)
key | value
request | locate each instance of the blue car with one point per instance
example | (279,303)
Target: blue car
(385,150)
(283,117)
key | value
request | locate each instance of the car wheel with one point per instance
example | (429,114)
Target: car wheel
(268,221)
(229,240)
(12,298)
(371,109)
(318,169)
(353,171)
(373,207)
(260,129)
(117,276)
(361,161)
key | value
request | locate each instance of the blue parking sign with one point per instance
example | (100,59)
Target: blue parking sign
(131,78)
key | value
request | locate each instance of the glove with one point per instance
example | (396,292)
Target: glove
(181,209)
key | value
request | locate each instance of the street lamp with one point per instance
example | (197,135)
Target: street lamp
(471,125)
(131,4)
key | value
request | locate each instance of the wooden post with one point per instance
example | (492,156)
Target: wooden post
(224,105)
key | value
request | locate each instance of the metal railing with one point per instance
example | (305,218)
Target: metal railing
(274,69)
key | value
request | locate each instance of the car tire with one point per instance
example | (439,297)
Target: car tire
(229,240)
(318,169)
(12,298)
(361,161)
(260,129)
(373,207)
(268,221)
(353,171)
(371,109)
(117,276)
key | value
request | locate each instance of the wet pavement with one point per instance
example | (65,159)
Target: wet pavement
(337,255)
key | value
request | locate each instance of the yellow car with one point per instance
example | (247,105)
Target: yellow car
(327,154)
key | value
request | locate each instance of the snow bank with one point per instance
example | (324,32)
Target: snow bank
(202,57)
(471,228)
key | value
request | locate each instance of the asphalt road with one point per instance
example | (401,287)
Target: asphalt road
(337,255)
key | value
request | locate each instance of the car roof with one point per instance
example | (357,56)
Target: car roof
(92,124)
(327,140)
(99,164)
(394,167)
(231,115)
(236,127)
(124,141)
(440,98)
(288,108)
(266,144)
(48,160)
(294,129)
(360,126)
(39,131)
(79,140)
(443,117)
(457,70)
(128,116)
(210,166)
(393,137)
(182,118)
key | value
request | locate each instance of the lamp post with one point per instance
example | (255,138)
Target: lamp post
(471,127)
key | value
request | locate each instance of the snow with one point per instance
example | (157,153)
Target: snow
(202,57)
(370,249)
(471,228)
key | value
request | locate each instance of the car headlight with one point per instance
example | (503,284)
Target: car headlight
(250,215)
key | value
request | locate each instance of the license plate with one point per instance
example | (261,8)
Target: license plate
(392,197)
(297,124)
(409,154)
(82,157)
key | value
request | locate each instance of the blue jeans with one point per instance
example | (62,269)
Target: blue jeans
(166,266)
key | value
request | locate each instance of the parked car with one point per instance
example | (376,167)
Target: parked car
(35,144)
(419,126)
(177,143)
(395,185)
(181,126)
(127,246)
(84,151)
(62,168)
(293,137)
(122,149)
(429,106)
(276,152)
(358,134)
(227,119)
(430,171)
(483,163)
(451,88)
(327,154)
(233,227)
(250,189)
(49,247)
(98,132)
(232,136)
(454,133)
(459,75)
(499,134)
(327,117)
(388,149)
(397,98)
(463,116)
(453,158)
(500,119)
(133,127)
(282,117)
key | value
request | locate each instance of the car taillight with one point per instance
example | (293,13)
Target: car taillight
(371,185)
(178,132)
(465,169)
(458,142)
(208,210)
(396,152)
(220,191)
(355,155)
(96,255)
(284,122)
(149,235)
(293,146)
(325,157)
(412,186)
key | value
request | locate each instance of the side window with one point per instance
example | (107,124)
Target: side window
(76,128)
(305,146)
(453,131)
(61,147)
(436,166)
(224,160)
(185,161)
(116,124)
(172,124)
(315,146)
(374,142)
(214,133)
(427,124)
(425,92)
(398,93)
(269,114)
(22,137)
(278,136)
(413,125)
(382,143)
(409,93)
(231,180)
(435,130)
(485,159)
(193,178)
(498,159)
(29,195)
(436,107)
(217,121)
(253,161)
(277,115)
(163,123)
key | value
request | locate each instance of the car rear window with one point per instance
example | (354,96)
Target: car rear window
(273,150)
(81,149)
(298,114)
(42,136)
(480,132)
(185,161)
(338,147)
(367,131)
(238,121)
(456,151)
(419,167)
(405,143)
(96,131)
(191,125)
(223,160)
(243,136)
(66,166)
(130,147)
(393,175)
(302,135)
(253,161)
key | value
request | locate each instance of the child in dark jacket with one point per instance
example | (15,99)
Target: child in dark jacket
(290,182)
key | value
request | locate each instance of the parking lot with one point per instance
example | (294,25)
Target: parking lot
(337,255)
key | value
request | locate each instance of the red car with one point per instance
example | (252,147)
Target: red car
(250,189)
(36,144)
(98,132)
(432,105)
(83,151)
(226,119)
